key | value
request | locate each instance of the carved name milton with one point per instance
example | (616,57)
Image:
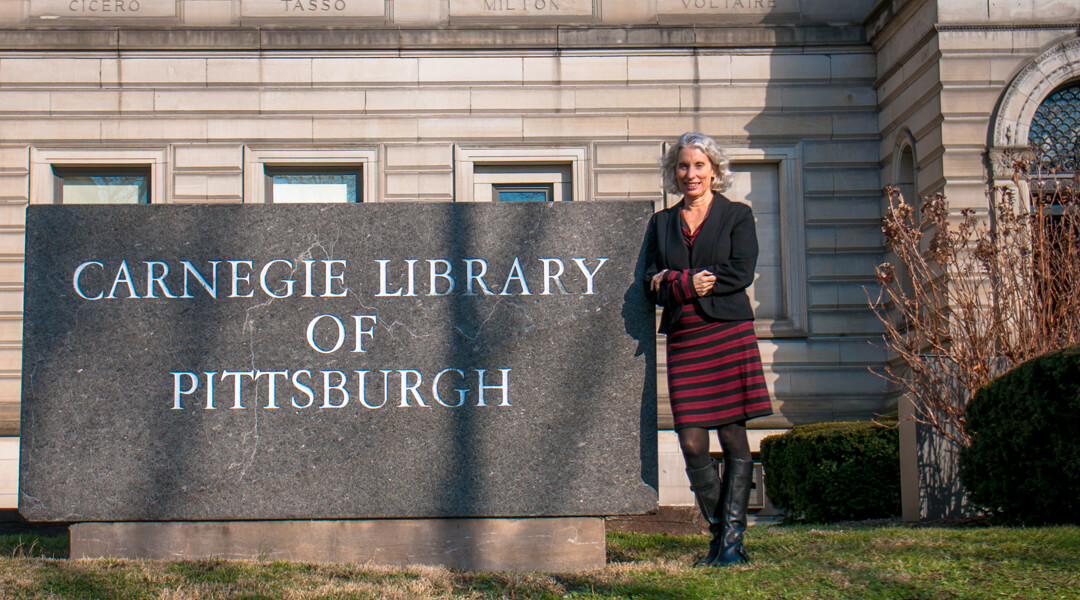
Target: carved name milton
(520,8)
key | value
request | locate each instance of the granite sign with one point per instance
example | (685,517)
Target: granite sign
(336,361)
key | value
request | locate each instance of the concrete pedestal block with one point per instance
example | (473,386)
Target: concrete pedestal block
(533,544)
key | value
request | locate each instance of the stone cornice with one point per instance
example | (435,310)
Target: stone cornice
(328,38)
(1010,27)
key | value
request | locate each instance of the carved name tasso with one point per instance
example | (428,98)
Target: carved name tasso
(520,8)
(312,8)
(237,387)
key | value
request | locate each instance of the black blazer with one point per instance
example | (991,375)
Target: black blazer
(726,246)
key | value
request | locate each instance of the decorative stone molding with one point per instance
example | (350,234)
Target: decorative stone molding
(465,158)
(1004,159)
(257,157)
(42,161)
(1029,88)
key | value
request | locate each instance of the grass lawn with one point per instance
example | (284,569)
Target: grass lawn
(857,562)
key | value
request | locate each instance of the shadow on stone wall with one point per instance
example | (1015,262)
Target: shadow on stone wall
(635,303)
(941,494)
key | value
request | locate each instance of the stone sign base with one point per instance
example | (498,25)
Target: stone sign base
(557,544)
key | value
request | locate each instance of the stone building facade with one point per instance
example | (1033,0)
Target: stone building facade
(821,103)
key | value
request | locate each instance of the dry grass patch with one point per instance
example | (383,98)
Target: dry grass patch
(790,563)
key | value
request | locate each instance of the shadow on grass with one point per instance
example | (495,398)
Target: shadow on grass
(210,570)
(803,563)
(29,545)
(641,586)
(637,547)
(91,581)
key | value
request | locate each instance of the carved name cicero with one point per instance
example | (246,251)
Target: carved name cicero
(104,9)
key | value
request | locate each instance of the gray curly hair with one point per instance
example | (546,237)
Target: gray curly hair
(706,144)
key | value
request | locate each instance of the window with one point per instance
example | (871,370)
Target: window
(1053,77)
(905,177)
(758,185)
(310,175)
(97,176)
(768,179)
(1055,130)
(102,185)
(297,185)
(505,192)
(522,183)
(519,174)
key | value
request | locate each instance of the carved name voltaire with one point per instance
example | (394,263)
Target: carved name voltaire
(233,280)
(674,7)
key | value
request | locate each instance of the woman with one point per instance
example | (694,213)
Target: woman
(700,258)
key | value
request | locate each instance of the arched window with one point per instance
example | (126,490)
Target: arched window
(1055,130)
(905,177)
(905,182)
(1047,84)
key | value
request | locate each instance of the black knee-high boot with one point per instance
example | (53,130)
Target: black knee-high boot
(738,479)
(705,482)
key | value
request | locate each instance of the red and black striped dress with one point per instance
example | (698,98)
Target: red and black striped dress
(714,367)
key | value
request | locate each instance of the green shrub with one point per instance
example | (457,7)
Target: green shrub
(1023,464)
(834,471)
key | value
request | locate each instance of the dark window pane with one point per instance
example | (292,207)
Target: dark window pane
(1055,130)
(523,193)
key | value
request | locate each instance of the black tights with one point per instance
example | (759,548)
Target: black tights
(694,442)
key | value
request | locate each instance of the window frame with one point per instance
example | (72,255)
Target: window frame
(364,161)
(283,169)
(60,172)
(556,178)
(547,189)
(44,182)
(466,159)
(1056,67)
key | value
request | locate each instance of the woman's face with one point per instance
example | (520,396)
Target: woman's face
(694,173)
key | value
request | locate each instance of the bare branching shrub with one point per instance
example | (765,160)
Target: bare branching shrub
(972,294)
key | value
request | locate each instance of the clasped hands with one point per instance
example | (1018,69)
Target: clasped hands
(703,281)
